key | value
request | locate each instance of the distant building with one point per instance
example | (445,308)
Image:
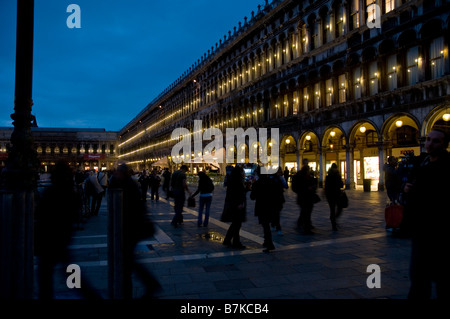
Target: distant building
(81,148)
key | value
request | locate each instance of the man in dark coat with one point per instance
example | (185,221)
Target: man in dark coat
(263,192)
(333,185)
(235,205)
(428,191)
(304,185)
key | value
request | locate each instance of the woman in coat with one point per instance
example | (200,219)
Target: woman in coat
(264,192)
(333,185)
(235,207)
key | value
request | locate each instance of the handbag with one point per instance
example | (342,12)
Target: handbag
(343,200)
(191,202)
(393,215)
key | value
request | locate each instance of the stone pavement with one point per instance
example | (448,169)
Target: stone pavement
(190,262)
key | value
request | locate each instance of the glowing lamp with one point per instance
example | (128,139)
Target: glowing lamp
(446,117)
(362,129)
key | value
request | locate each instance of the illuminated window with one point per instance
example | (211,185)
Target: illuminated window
(373,78)
(305,100)
(354,14)
(391,72)
(357,83)
(315,35)
(389,5)
(342,84)
(304,39)
(371,10)
(339,21)
(317,95)
(412,60)
(437,57)
(295,103)
(328,92)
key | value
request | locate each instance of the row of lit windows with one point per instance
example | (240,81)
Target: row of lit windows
(74,150)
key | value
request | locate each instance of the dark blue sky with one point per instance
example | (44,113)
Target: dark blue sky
(124,55)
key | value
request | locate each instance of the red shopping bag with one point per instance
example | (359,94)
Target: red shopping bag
(393,215)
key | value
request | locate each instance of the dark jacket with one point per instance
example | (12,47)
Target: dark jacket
(56,211)
(205,186)
(236,196)
(428,201)
(265,192)
(304,185)
(333,185)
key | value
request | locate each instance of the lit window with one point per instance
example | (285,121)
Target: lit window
(389,5)
(342,83)
(437,57)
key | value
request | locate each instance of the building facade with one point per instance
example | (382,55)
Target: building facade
(81,148)
(346,82)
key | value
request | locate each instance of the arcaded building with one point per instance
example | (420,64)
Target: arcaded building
(346,82)
(83,149)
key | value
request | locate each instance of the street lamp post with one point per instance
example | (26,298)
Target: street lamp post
(20,175)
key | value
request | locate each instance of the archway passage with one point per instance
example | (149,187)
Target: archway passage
(288,154)
(334,150)
(366,161)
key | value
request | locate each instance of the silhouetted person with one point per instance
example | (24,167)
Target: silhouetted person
(235,200)
(304,185)
(263,192)
(279,199)
(205,188)
(144,180)
(179,186)
(286,174)
(155,182)
(333,186)
(166,183)
(428,189)
(55,215)
(392,179)
(134,210)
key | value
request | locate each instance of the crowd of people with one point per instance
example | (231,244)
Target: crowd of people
(420,184)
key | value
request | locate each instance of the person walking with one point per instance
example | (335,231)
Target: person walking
(97,192)
(144,180)
(235,206)
(304,185)
(281,185)
(263,191)
(134,211)
(205,188)
(179,187)
(56,212)
(154,183)
(392,179)
(166,181)
(333,189)
(285,173)
(428,189)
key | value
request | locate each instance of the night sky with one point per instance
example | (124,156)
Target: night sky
(124,55)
